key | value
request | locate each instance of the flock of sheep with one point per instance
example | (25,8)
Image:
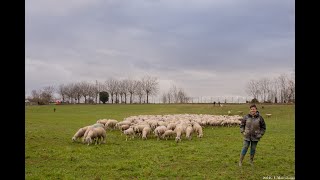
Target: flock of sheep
(159,126)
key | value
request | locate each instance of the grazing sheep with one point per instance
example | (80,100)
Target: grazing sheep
(198,129)
(96,134)
(146,130)
(128,122)
(189,131)
(139,127)
(179,130)
(129,132)
(167,134)
(79,133)
(124,127)
(97,125)
(159,131)
(111,123)
(102,121)
(171,126)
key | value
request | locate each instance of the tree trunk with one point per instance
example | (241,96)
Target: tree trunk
(131,98)
(112,98)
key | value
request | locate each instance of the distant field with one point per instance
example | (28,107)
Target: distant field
(50,153)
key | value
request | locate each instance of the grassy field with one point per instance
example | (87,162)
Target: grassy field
(50,153)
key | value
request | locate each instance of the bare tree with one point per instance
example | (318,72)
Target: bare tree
(46,95)
(283,83)
(123,89)
(264,88)
(97,88)
(126,89)
(131,87)
(85,88)
(92,92)
(69,92)
(35,95)
(272,95)
(252,89)
(110,86)
(139,90)
(173,94)
(164,98)
(150,86)
(78,91)
(62,91)
(169,97)
(117,90)
(291,90)
(182,96)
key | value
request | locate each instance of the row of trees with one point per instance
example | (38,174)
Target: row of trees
(119,91)
(175,95)
(42,96)
(277,90)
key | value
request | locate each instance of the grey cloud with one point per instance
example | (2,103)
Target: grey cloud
(196,45)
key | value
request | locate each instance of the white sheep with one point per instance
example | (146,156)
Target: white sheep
(167,134)
(102,121)
(179,130)
(129,132)
(146,130)
(159,131)
(92,127)
(79,133)
(189,131)
(171,126)
(98,134)
(198,129)
(124,127)
(111,123)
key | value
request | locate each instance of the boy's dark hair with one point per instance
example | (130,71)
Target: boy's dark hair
(253,105)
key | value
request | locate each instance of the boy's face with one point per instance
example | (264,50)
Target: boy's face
(253,111)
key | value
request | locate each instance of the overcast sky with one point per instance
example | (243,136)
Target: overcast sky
(207,47)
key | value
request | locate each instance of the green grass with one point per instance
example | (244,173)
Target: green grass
(51,154)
